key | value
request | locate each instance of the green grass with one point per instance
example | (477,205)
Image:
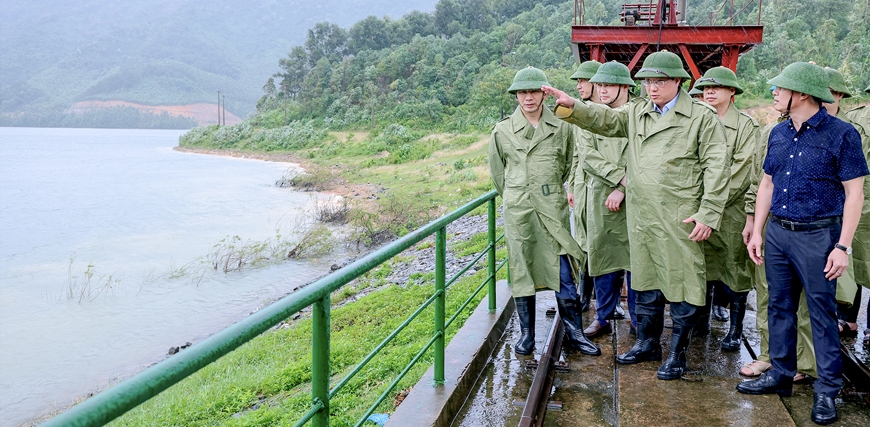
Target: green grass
(267,381)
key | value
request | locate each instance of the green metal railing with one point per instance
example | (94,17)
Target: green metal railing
(125,396)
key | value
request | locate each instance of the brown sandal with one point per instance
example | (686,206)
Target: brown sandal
(755,368)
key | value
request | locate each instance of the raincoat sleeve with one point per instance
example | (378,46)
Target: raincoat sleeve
(572,176)
(742,163)
(496,162)
(595,164)
(712,150)
(597,118)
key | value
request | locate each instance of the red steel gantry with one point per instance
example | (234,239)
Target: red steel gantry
(660,25)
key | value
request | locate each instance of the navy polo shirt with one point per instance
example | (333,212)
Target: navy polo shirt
(809,166)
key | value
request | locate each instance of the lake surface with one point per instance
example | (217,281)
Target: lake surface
(122,215)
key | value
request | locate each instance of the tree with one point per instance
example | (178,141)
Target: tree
(371,33)
(325,40)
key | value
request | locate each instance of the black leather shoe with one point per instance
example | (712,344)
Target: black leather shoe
(824,409)
(765,384)
(526,313)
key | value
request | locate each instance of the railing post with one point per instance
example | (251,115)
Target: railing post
(320,360)
(440,302)
(490,256)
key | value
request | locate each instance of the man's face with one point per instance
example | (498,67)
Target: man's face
(584,88)
(837,96)
(661,90)
(718,96)
(530,100)
(780,99)
(608,92)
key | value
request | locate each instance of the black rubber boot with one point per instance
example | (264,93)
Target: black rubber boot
(526,313)
(702,328)
(675,365)
(731,342)
(646,346)
(586,287)
(575,339)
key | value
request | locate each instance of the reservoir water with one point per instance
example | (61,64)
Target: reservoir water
(123,215)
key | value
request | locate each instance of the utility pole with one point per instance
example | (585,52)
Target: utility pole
(219,109)
(225,109)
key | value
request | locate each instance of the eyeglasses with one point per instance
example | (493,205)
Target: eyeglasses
(657,83)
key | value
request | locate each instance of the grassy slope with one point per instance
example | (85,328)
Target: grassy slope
(266,382)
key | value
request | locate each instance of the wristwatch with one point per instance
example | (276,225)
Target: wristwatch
(847,250)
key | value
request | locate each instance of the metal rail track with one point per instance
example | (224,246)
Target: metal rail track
(536,403)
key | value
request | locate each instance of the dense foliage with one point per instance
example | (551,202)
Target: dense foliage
(453,75)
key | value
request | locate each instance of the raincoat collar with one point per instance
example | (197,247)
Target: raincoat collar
(682,106)
(732,117)
(547,125)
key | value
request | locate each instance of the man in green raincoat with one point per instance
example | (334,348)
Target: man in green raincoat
(728,265)
(860,118)
(529,159)
(607,234)
(577,178)
(677,186)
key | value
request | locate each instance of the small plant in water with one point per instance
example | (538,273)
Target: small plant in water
(88,286)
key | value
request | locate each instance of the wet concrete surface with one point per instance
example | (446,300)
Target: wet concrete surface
(598,392)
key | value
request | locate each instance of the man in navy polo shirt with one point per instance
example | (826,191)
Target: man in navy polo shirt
(813,187)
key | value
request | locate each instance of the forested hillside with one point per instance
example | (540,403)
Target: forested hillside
(54,53)
(450,72)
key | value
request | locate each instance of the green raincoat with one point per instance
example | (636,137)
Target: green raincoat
(677,167)
(846,286)
(529,167)
(860,118)
(577,185)
(606,232)
(727,257)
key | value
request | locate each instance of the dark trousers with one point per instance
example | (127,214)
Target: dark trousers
(608,289)
(652,303)
(567,288)
(795,261)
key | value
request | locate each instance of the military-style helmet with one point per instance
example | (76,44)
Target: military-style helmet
(837,82)
(528,79)
(805,78)
(586,70)
(613,73)
(662,64)
(720,76)
(695,91)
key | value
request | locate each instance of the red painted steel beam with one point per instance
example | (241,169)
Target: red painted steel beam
(688,35)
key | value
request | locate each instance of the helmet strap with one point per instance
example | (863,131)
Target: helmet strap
(618,93)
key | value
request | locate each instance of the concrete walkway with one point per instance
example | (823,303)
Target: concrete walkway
(598,392)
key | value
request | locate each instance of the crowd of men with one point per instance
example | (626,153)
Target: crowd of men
(666,190)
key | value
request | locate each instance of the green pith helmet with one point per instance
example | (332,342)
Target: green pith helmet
(586,70)
(695,91)
(662,64)
(720,76)
(528,79)
(805,78)
(837,83)
(613,73)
